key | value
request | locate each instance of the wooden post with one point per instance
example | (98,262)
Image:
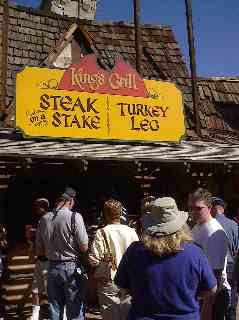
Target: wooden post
(193,68)
(138,47)
(79,11)
(4,61)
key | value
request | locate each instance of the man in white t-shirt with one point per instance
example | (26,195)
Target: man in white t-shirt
(210,236)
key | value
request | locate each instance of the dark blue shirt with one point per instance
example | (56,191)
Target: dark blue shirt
(164,288)
(231,229)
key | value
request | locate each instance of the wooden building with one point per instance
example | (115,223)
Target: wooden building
(37,167)
(30,168)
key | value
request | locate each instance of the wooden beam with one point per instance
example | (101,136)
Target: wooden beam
(193,66)
(62,43)
(4,62)
(138,45)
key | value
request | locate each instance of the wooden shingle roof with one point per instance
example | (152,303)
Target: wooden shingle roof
(219,90)
(33,34)
(162,58)
(220,107)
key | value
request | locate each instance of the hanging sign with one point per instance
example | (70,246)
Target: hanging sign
(88,102)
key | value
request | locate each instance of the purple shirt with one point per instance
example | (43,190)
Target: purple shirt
(164,288)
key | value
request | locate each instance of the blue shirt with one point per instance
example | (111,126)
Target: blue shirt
(231,229)
(164,288)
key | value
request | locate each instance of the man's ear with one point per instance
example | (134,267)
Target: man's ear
(72,202)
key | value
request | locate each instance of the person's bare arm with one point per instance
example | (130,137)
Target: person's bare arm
(208,293)
(83,247)
(208,301)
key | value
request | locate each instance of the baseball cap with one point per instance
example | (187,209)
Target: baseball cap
(218,201)
(69,194)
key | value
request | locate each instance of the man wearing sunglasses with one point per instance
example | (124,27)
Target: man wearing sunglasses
(210,236)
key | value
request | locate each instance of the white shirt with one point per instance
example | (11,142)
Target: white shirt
(211,237)
(119,238)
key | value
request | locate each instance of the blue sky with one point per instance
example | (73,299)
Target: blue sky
(215,28)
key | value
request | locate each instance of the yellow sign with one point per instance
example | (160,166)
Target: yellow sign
(44,110)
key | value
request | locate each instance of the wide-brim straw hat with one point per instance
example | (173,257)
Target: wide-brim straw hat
(164,217)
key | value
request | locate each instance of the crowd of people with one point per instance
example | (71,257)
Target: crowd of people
(159,268)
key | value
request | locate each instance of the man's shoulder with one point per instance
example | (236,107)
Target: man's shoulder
(228,224)
(46,217)
(77,219)
(77,215)
(231,223)
(217,235)
(68,214)
(200,228)
(213,225)
(207,228)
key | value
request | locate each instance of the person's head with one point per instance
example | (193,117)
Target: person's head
(70,192)
(218,206)
(41,206)
(112,211)
(165,227)
(67,199)
(201,204)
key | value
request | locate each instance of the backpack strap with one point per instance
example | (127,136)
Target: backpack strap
(112,258)
(80,257)
(73,224)
(73,234)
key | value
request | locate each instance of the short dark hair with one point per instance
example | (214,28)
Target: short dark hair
(218,202)
(67,195)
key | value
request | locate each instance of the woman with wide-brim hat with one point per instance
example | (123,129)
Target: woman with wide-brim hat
(165,272)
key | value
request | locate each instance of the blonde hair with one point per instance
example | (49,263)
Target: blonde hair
(112,209)
(168,244)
